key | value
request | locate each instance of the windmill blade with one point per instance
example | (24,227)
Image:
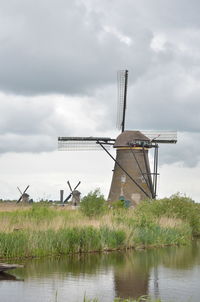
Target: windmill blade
(69,185)
(77,185)
(22,194)
(122,80)
(161,137)
(83,143)
(19,190)
(68,197)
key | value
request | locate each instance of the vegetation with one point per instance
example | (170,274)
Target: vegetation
(93,204)
(43,229)
(180,208)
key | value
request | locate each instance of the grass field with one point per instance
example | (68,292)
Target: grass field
(41,229)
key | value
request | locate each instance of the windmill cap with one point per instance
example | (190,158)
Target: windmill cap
(128,138)
(25,195)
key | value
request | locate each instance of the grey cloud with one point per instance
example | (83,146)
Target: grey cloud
(164,100)
(27,143)
(30,125)
(76,47)
(73,47)
(185,151)
(173,14)
(23,116)
(60,46)
(168,99)
(33,124)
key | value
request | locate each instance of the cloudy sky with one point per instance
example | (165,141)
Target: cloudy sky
(58,66)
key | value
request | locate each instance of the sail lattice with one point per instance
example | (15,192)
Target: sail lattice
(84,143)
(161,136)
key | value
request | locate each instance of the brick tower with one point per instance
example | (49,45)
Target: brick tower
(132,154)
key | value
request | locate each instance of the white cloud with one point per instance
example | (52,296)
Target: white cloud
(47,173)
(177,178)
(32,124)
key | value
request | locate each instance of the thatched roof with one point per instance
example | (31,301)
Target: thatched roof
(127,137)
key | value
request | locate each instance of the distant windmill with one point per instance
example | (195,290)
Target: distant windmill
(132,178)
(24,196)
(74,193)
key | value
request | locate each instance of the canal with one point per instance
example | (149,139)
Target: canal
(172,274)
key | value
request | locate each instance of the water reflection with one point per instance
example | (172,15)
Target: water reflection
(131,280)
(5,276)
(164,273)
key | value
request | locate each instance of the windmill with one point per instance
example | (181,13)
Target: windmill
(132,178)
(24,196)
(75,194)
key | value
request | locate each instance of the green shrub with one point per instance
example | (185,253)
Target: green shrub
(122,203)
(93,204)
(176,206)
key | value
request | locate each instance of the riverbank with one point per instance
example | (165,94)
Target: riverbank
(40,230)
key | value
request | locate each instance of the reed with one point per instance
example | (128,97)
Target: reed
(39,230)
(64,241)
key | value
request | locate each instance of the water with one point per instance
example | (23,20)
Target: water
(172,274)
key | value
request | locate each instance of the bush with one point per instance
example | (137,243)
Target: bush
(119,204)
(93,204)
(176,206)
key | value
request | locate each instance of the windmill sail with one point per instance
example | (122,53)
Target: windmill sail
(122,81)
(84,143)
(161,136)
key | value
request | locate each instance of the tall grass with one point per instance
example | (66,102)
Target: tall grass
(63,241)
(39,230)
